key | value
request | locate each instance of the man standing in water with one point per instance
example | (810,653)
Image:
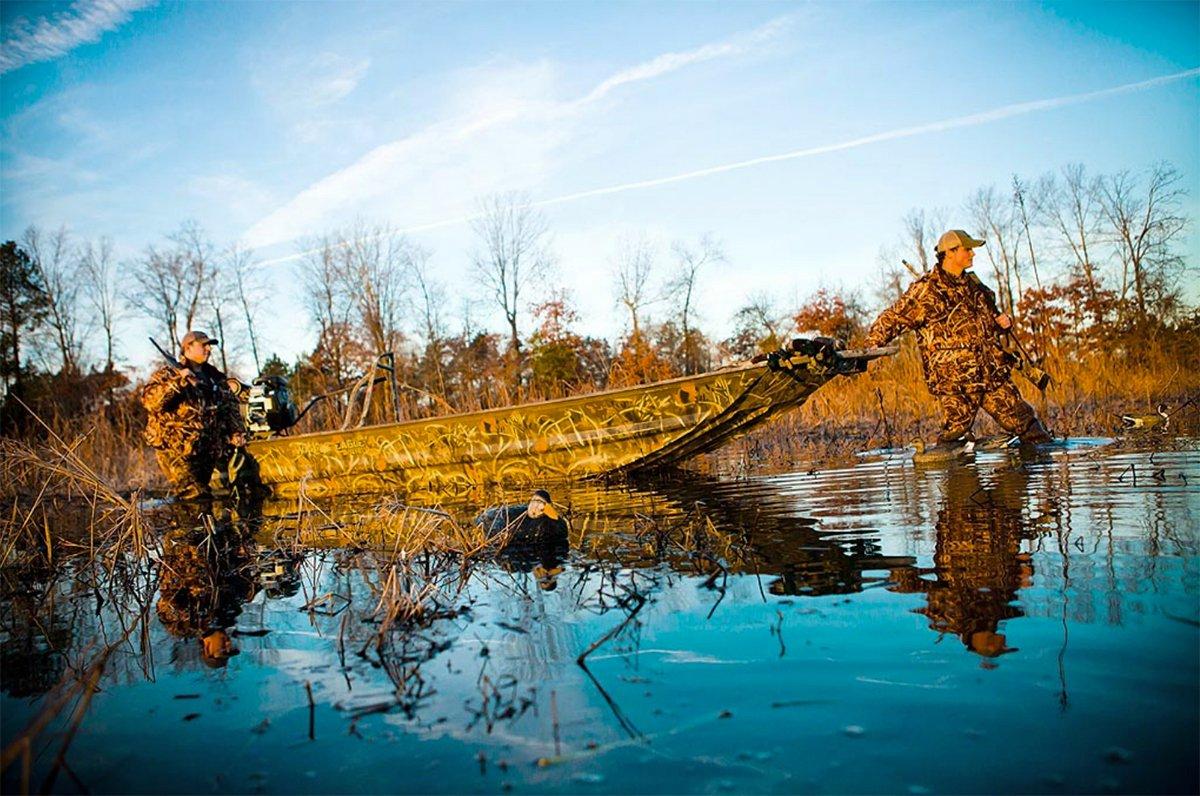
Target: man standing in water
(193,418)
(958,332)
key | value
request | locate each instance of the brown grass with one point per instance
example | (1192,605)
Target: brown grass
(890,405)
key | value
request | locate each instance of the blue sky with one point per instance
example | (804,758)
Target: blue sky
(270,122)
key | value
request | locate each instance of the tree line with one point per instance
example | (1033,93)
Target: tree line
(1077,259)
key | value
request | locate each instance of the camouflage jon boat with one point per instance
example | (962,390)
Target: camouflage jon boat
(623,430)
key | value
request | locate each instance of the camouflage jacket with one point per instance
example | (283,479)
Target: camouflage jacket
(957,333)
(190,419)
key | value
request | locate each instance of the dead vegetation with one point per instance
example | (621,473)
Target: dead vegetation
(890,406)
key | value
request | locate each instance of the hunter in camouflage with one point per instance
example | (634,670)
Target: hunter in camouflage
(959,332)
(194,420)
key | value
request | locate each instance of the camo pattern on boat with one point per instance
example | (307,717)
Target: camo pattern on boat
(444,458)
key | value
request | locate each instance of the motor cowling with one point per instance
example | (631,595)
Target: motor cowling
(270,408)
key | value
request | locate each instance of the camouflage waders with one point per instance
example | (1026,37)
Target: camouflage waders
(964,364)
(1004,404)
(190,424)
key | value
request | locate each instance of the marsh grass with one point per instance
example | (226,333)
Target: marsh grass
(63,516)
(890,406)
(39,480)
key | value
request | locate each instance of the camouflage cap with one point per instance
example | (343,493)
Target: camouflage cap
(955,238)
(197,335)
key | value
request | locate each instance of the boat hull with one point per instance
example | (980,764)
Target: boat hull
(656,425)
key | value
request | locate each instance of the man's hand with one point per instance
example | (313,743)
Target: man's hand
(1004,321)
(238,440)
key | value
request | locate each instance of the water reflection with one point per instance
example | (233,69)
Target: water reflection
(701,525)
(677,630)
(979,565)
(206,575)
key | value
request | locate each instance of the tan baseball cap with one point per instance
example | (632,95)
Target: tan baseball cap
(197,335)
(955,238)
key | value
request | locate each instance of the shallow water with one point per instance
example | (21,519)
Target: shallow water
(997,626)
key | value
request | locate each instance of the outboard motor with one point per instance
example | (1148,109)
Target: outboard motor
(270,408)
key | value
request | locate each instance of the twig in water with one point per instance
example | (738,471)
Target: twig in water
(554,720)
(312,712)
(637,598)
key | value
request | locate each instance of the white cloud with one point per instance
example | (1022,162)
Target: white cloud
(504,130)
(32,41)
(953,123)
(241,198)
(300,84)
(671,62)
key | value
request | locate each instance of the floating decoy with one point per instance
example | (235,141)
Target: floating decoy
(1160,420)
(942,451)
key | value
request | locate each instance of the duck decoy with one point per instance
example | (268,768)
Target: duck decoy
(942,451)
(1160,420)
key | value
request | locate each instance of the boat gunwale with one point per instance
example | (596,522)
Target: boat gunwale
(312,435)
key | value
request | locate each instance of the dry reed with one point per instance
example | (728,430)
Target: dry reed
(890,406)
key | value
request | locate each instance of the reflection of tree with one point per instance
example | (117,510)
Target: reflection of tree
(978,562)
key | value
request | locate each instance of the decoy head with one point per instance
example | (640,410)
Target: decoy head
(540,505)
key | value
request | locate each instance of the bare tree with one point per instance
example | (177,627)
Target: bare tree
(56,262)
(159,281)
(247,289)
(995,217)
(689,261)
(1022,215)
(921,232)
(632,267)
(430,295)
(911,257)
(329,305)
(169,281)
(377,261)
(757,325)
(430,306)
(102,291)
(1144,222)
(513,252)
(1070,208)
(199,263)
(219,299)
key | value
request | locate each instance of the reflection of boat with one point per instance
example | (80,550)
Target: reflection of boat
(691,524)
(653,425)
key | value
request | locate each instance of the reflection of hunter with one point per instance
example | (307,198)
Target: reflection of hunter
(959,335)
(206,575)
(978,560)
(194,420)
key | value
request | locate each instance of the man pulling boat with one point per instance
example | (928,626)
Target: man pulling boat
(959,331)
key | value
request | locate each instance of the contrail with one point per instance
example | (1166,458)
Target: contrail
(957,122)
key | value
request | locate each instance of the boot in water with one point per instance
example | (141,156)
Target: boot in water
(1036,434)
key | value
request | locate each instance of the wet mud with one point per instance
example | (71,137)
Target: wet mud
(997,624)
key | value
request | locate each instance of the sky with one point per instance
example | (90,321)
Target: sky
(797,134)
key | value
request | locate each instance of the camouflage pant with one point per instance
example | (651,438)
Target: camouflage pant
(189,476)
(1005,404)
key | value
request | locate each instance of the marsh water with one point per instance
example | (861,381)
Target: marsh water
(1000,625)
